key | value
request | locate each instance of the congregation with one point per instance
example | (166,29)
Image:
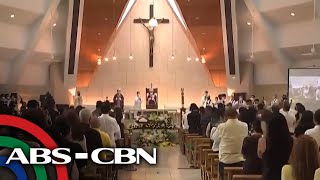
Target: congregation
(275,141)
(76,128)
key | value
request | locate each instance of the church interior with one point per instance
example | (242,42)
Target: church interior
(221,89)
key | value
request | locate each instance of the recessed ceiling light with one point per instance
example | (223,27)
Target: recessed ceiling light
(99,34)
(12,16)
(249,23)
(106,19)
(203,33)
(197,18)
(292,14)
(54,24)
(233,77)
(197,59)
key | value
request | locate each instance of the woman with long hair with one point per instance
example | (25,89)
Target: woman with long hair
(194,119)
(304,160)
(275,145)
(305,123)
(300,109)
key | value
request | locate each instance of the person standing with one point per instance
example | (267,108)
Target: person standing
(193,119)
(275,100)
(291,120)
(274,147)
(315,132)
(109,124)
(77,99)
(137,104)
(231,135)
(206,100)
(118,99)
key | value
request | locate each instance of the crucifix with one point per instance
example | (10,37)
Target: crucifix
(151,28)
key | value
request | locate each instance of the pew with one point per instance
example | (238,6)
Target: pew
(203,155)
(230,171)
(197,144)
(246,177)
(188,145)
(211,157)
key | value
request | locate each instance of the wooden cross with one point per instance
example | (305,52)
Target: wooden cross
(150,31)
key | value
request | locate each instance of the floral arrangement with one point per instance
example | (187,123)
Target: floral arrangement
(153,121)
(160,138)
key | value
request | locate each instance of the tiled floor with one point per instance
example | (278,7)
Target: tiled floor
(171,165)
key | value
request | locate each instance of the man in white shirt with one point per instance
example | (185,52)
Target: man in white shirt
(109,124)
(231,135)
(206,100)
(233,101)
(291,119)
(315,132)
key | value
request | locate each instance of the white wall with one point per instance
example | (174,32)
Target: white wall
(266,74)
(32,74)
(167,75)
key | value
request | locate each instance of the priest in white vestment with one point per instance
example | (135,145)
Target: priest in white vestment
(137,104)
(77,99)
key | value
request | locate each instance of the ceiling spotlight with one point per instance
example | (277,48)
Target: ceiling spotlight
(130,57)
(114,58)
(292,14)
(249,23)
(12,16)
(203,60)
(188,58)
(172,57)
(106,59)
(197,59)
(233,77)
(54,24)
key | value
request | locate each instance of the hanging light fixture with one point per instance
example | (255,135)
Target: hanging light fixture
(172,46)
(130,56)
(99,58)
(203,60)
(51,37)
(251,57)
(114,57)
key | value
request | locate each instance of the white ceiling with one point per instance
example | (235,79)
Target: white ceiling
(279,17)
(26,16)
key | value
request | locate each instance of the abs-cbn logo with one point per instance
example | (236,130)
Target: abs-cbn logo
(59,156)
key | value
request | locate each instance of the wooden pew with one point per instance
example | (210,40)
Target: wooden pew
(246,177)
(214,173)
(203,154)
(230,171)
(197,144)
(182,135)
(188,145)
(211,157)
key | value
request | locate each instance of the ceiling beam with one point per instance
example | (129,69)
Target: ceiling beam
(35,32)
(269,34)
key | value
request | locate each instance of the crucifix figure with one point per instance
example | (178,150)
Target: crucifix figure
(151,29)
